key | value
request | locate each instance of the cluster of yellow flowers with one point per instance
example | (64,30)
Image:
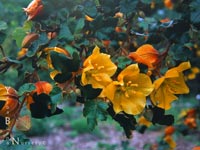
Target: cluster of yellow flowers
(128,91)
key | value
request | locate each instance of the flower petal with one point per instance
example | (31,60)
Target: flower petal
(177,85)
(133,104)
(162,97)
(146,54)
(132,70)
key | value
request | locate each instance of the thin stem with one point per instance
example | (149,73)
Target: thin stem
(17,115)
(164,53)
(2,51)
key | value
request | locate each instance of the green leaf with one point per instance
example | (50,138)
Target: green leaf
(56,95)
(59,61)
(95,110)
(27,26)
(195,17)
(147,1)
(75,63)
(65,33)
(63,63)
(3,25)
(26,88)
(2,37)
(90,8)
(18,35)
(123,61)
(79,25)
(63,77)
(128,6)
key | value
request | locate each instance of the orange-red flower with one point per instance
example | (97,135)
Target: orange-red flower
(147,55)
(190,122)
(168,4)
(9,99)
(169,130)
(33,9)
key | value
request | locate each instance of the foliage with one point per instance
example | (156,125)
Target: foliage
(119,58)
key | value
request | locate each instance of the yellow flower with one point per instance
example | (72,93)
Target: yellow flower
(143,121)
(170,84)
(129,93)
(98,69)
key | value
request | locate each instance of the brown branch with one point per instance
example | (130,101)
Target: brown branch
(16,116)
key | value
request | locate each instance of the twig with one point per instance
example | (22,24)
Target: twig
(17,115)
(2,51)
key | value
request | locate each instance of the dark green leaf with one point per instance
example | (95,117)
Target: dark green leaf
(39,109)
(195,17)
(3,125)
(160,117)
(2,103)
(126,121)
(26,88)
(95,110)
(63,77)
(90,8)
(2,37)
(128,6)
(65,33)
(59,61)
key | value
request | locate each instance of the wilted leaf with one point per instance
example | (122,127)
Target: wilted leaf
(23,123)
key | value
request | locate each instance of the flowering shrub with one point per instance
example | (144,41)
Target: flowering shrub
(125,59)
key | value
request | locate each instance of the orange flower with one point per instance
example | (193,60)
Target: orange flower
(196,148)
(41,87)
(190,122)
(147,55)
(165,20)
(9,99)
(33,9)
(169,130)
(168,4)
(170,141)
